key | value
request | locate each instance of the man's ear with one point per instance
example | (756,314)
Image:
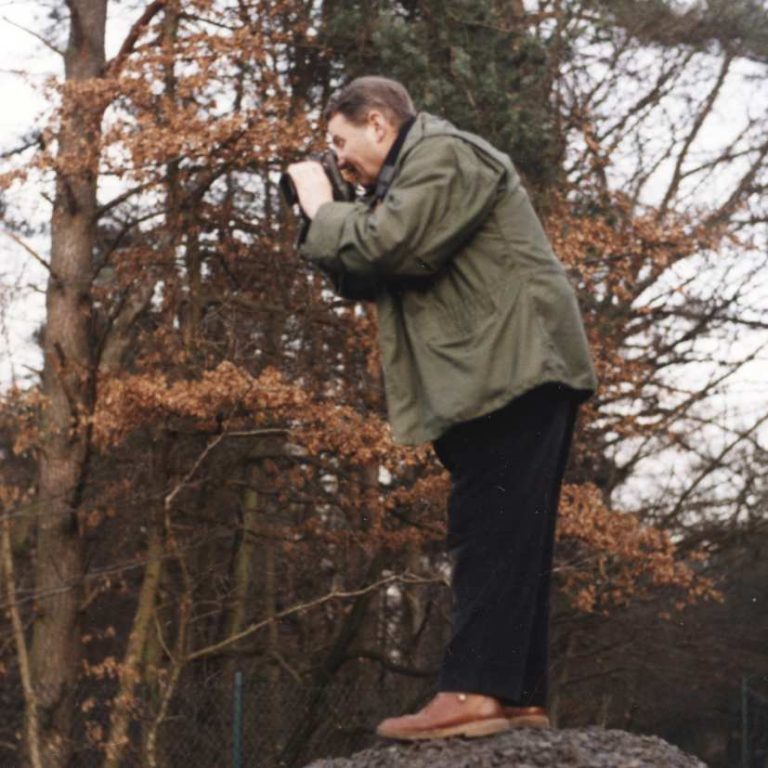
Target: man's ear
(379,123)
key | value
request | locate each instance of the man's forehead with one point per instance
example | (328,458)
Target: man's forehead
(338,125)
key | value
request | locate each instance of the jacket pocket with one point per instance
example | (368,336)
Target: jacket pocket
(456,320)
(451,321)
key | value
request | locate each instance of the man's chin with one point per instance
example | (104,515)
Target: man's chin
(365,180)
(361,179)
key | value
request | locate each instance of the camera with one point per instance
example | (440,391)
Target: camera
(343,191)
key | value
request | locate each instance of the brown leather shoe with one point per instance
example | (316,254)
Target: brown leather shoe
(526,717)
(448,714)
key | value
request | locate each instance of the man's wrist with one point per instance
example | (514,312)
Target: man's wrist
(323,237)
(315,206)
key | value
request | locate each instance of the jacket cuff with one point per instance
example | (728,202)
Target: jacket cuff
(322,241)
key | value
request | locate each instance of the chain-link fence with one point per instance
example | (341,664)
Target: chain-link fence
(754,722)
(227,720)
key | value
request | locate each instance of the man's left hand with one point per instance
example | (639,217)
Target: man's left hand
(312,185)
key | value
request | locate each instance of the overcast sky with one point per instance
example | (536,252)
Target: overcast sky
(25,64)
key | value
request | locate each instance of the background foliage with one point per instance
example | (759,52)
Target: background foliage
(202,480)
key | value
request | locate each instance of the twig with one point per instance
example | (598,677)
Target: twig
(286,666)
(34,34)
(30,250)
(177,665)
(169,499)
(334,595)
(21,148)
(121,198)
(133,35)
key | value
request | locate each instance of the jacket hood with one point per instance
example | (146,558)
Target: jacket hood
(424,126)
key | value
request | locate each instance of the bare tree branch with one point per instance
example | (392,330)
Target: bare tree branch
(47,43)
(334,595)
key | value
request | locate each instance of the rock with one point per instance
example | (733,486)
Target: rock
(525,748)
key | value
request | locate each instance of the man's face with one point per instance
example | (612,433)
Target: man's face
(361,149)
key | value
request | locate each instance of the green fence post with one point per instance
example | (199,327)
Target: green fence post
(237,722)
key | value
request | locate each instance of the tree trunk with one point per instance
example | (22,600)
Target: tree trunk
(130,671)
(67,386)
(245,557)
(31,722)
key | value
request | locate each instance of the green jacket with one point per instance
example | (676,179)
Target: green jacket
(474,308)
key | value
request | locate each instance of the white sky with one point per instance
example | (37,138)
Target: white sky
(25,64)
(20,53)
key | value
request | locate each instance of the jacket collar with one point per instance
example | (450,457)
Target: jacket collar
(387,171)
(423,126)
(410,134)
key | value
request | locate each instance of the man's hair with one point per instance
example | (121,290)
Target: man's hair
(356,99)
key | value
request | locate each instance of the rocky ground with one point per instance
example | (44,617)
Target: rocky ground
(525,748)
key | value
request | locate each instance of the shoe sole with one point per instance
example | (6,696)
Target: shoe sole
(529,721)
(473,730)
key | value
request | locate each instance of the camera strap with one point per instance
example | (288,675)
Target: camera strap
(387,173)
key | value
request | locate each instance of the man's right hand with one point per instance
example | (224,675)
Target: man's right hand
(312,185)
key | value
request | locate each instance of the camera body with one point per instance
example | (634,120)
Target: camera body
(343,191)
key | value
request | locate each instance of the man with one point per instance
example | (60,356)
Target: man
(484,354)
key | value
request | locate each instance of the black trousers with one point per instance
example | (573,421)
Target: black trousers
(506,470)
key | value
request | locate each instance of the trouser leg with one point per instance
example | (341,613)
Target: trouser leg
(506,472)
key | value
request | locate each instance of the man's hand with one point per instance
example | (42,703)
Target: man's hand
(312,185)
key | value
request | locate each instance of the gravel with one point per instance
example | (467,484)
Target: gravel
(525,748)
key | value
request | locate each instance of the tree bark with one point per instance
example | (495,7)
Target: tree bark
(67,385)
(245,557)
(130,671)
